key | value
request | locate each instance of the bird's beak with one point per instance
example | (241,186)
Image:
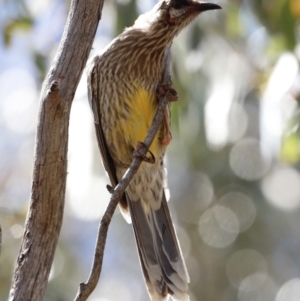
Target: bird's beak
(203,6)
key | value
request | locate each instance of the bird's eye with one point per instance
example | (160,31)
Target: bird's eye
(177,4)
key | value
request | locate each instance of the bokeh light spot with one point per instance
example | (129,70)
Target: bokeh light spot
(247,161)
(290,291)
(258,287)
(216,112)
(201,196)
(237,122)
(89,206)
(242,206)
(18,107)
(252,282)
(282,188)
(16,231)
(218,227)
(243,264)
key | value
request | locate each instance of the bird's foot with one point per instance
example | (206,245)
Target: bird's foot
(110,189)
(137,153)
(163,89)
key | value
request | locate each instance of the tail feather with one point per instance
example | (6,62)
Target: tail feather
(162,218)
(160,255)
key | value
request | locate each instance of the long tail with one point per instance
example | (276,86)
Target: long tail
(160,255)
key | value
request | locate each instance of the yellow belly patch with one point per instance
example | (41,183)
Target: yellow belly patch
(143,108)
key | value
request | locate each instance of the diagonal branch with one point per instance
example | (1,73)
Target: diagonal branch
(85,289)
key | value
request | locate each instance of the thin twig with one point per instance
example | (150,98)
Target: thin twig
(85,289)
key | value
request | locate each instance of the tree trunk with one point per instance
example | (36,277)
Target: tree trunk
(45,214)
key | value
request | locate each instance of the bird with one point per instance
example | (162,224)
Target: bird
(124,83)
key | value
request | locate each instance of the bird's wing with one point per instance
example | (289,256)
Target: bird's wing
(94,95)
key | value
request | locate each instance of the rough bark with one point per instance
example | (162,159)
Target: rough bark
(45,213)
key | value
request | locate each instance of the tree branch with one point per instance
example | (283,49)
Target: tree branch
(85,289)
(45,213)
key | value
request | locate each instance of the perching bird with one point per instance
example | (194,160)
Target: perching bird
(122,84)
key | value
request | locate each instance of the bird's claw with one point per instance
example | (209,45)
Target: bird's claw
(163,89)
(110,189)
(137,153)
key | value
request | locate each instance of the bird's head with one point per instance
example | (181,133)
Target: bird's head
(172,15)
(181,12)
(168,17)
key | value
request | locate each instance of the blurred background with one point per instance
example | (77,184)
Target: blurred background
(233,164)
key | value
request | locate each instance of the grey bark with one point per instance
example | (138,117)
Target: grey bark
(45,213)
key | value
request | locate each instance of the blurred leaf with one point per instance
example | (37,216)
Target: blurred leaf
(287,25)
(275,47)
(126,15)
(295,8)
(279,17)
(22,23)
(290,148)
(41,63)
(233,25)
(290,151)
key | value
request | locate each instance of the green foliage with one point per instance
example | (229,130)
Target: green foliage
(290,151)
(21,23)
(126,14)
(279,17)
